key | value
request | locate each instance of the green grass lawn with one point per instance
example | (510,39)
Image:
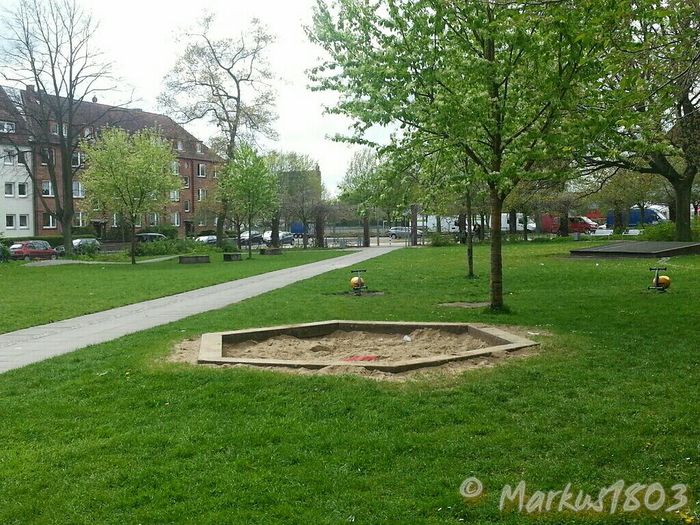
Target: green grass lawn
(37,295)
(116,434)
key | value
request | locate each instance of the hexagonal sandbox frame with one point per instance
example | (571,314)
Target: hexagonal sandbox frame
(211,345)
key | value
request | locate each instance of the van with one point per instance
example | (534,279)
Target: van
(631,218)
(519,227)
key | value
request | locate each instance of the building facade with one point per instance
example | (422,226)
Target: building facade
(196,165)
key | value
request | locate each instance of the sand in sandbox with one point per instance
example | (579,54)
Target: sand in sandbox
(341,345)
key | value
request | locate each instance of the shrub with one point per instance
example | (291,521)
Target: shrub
(172,247)
(666,231)
(441,239)
(168,230)
(4,253)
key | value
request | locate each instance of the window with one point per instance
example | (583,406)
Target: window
(78,190)
(115,220)
(175,196)
(9,189)
(10,222)
(201,194)
(79,219)
(201,170)
(8,159)
(137,221)
(187,205)
(78,159)
(7,127)
(47,156)
(199,147)
(46,188)
(216,173)
(24,222)
(153,219)
(53,129)
(49,221)
(87,132)
(21,189)
(202,222)
(21,158)
(175,219)
(185,182)
(179,145)
(176,167)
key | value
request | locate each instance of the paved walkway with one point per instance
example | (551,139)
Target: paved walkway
(37,343)
(61,262)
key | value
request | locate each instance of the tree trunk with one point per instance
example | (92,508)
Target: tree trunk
(220,219)
(462,227)
(682,189)
(470,240)
(133,242)
(525,226)
(482,230)
(618,220)
(438,226)
(365,230)
(512,222)
(564,224)
(305,233)
(414,225)
(275,237)
(250,238)
(320,232)
(237,225)
(496,259)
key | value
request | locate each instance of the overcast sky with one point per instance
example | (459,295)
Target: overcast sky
(140,37)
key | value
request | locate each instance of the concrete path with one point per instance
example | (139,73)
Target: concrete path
(35,344)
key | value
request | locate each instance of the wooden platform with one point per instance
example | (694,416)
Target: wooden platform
(650,249)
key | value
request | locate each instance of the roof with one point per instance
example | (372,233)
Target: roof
(98,116)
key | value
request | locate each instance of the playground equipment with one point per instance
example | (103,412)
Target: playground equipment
(660,283)
(357,283)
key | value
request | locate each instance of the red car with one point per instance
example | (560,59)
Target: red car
(29,250)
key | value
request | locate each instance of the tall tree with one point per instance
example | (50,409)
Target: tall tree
(129,175)
(226,81)
(361,186)
(498,80)
(249,186)
(50,50)
(652,96)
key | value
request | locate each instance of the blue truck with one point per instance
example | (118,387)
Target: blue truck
(631,218)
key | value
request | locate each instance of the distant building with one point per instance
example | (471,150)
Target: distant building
(28,207)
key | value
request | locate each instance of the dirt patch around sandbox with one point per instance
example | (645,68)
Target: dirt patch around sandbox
(349,345)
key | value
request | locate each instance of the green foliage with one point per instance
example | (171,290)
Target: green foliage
(666,231)
(441,239)
(129,175)
(4,253)
(53,240)
(169,230)
(172,247)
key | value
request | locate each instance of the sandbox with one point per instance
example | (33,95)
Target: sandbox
(390,347)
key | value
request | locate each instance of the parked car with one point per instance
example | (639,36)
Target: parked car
(255,238)
(285,238)
(577,224)
(150,237)
(401,232)
(86,245)
(29,250)
(206,239)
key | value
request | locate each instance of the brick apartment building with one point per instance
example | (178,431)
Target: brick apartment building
(196,165)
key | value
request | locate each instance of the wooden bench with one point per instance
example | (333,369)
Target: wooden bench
(193,259)
(232,257)
(270,251)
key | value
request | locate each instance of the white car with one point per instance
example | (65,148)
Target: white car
(206,239)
